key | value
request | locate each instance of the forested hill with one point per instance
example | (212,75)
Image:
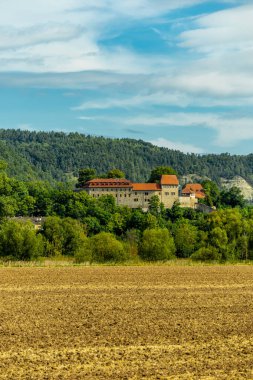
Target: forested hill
(59,156)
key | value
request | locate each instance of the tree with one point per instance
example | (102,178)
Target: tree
(212,193)
(185,236)
(42,192)
(156,173)
(3,165)
(53,233)
(63,236)
(157,244)
(232,197)
(154,205)
(115,173)
(85,175)
(8,206)
(19,241)
(105,247)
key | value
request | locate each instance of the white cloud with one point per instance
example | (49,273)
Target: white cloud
(229,130)
(13,37)
(63,36)
(222,31)
(162,98)
(186,148)
(61,41)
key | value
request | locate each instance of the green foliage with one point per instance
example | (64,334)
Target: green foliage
(115,173)
(105,247)
(232,197)
(212,193)
(226,234)
(154,205)
(185,236)
(206,254)
(19,241)
(63,236)
(85,175)
(157,244)
(84,253)
(58,156)
(156,173)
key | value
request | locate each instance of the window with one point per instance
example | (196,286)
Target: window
(167,193)
(146,193)
(173,193)
(136,199)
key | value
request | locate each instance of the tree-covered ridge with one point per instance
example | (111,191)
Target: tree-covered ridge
(59,156)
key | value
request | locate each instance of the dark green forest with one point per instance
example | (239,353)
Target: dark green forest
(56,156)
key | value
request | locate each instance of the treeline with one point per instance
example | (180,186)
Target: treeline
(225,235)
(97,230)
(55,156)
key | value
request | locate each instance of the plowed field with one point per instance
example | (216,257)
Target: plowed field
(150,322)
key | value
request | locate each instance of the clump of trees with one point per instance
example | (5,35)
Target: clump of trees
(97,230)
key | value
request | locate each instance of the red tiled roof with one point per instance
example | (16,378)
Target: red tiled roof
(194,188)
(200,195)
(146,187)
(109,182)
(169,179)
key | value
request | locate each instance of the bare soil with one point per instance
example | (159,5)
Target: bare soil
(150,322)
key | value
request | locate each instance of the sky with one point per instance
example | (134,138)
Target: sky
(176,73)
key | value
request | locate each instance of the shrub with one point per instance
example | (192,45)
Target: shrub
(185,236)
(84,253)
(105,247)
(64,236)
(207,254)
(19,241)
(157,244)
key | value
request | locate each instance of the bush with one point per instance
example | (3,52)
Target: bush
(185,236)
(64,236)
(19,241)
(84,253)
(105,247)
(157,244)
(207,254)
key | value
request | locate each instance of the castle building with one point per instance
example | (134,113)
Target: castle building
(195,189)
(135,195)
(191,194)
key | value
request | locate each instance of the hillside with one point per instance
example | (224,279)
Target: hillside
(59,156)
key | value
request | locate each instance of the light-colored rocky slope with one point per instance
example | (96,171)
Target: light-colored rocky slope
(242,184)
(237,181)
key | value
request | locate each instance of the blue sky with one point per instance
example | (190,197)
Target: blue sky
(177,73)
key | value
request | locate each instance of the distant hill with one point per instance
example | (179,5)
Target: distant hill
(59,156)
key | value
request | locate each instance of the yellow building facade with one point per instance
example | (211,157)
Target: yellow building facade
(135,195)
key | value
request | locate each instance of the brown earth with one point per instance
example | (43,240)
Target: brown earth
(150,322)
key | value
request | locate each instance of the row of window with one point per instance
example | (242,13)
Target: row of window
(135,199)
